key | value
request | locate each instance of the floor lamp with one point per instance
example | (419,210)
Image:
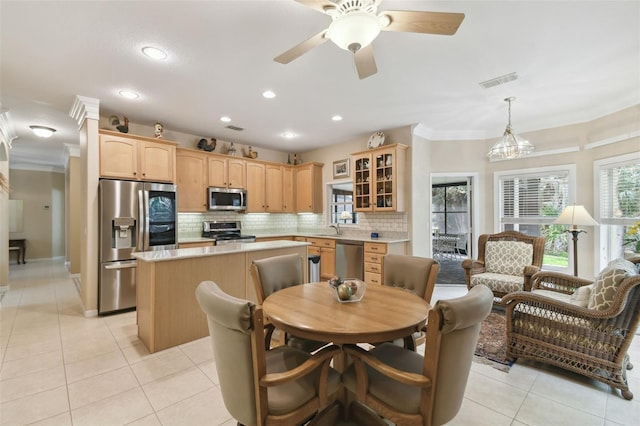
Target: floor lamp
(575,216)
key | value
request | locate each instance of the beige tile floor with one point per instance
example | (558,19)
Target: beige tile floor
(59,368)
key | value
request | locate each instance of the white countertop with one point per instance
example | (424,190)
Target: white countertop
(367,239)
(186,253)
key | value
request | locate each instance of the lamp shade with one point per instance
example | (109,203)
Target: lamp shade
(576,216)
(354,30)
(345,215)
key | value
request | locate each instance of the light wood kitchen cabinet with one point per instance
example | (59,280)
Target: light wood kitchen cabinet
(373,259)
(274,188)
(326,248)
(227,172)
(136,157)
(256,198)
(309,188)
(191,173)
(378,180)
(288,190)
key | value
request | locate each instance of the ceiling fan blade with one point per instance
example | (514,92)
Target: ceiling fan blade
(365,62)
(318,5)
(302,48)
(423,22)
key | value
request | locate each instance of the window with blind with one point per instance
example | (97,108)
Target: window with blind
(529,202)
(618,210)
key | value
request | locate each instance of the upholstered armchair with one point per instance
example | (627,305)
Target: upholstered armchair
(506,261)
(282,386)
(580,325)
(415,274)
(275,273)
(409,389)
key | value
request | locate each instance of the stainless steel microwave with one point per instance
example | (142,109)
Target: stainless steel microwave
(227,199)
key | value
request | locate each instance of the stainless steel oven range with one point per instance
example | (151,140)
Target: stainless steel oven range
(225,232)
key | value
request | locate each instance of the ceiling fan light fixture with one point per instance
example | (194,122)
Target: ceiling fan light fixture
(42,131)
(354,30)
(510,145)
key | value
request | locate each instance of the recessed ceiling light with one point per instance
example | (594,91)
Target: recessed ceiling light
(336,118)
(289,135)
(154,53)
(269,94)
(225,119)
(128,94)
(43,131)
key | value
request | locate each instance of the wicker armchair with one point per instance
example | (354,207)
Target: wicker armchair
(492,269)
(548,324)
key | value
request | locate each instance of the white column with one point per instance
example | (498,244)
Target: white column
(86,112)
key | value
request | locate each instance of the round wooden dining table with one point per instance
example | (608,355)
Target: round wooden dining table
(313,311)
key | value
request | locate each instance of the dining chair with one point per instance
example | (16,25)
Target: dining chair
(415,274)
(282,386)
(275,273)
(410,389)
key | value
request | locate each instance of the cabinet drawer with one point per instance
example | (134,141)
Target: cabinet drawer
(372,278)
(322,242)
(375,248)
(373,267)
(313,251)
(373,258)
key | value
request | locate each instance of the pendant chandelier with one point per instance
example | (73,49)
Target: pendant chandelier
(510,144)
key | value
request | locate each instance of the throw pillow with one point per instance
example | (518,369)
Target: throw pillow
(581,296)
(507,257)
(608,281)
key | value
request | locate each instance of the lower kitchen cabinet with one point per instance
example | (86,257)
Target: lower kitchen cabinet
(326,248)
(373,259)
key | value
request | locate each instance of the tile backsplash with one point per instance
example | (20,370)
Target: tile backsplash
(386,224)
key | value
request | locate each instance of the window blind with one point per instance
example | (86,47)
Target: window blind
(619,185)
(534,198)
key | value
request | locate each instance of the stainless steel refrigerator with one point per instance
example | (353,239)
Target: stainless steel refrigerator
(134,216)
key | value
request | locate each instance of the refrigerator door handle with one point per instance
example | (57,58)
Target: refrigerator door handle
(145,205)
(142,225)
(121,265)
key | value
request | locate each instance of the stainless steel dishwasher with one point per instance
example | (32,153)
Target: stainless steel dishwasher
(349,259)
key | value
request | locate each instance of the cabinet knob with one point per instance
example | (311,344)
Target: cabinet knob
(134,173)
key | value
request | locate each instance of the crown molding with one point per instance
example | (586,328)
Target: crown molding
(85,108)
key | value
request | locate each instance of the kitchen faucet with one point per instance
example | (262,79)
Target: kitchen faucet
(337,228)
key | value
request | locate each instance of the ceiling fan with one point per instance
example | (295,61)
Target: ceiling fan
(356,23)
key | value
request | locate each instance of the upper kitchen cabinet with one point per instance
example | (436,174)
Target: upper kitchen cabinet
(227,172)
(309,188)
(136,157)
(191,167)
(256,199)
(274,188)
(288,190)
(379,179)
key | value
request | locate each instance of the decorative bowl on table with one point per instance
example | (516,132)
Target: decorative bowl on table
(350,290)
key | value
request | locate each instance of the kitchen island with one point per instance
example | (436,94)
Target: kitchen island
(168,313)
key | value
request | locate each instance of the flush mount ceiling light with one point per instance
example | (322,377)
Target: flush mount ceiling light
(510,144)
(289,135)
(269,94)
(42,131)
(337,118)
(154,53)
(225,119)
(128,94)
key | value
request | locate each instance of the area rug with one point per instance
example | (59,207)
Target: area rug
(492,342)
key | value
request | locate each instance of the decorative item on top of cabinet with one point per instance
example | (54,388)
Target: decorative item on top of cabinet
(379,178)
(309,188)
(124,156)
(158,130)
(231,150)
(207,146)
(121,126)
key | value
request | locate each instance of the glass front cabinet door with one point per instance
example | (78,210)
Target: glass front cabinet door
(379,179)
